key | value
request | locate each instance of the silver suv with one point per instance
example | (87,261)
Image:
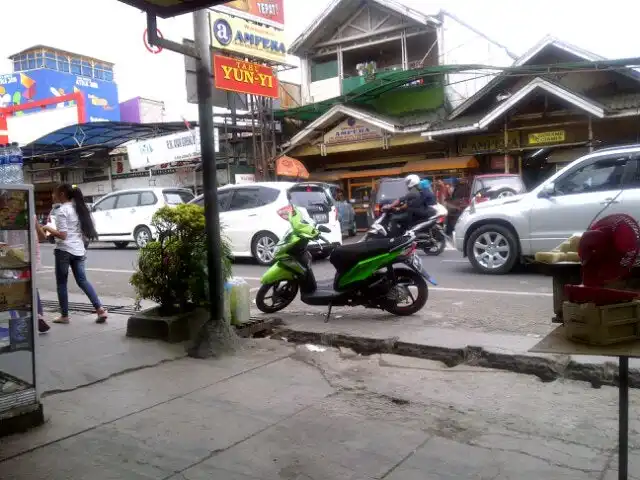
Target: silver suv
(495,235)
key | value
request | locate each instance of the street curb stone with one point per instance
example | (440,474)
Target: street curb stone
(546,368)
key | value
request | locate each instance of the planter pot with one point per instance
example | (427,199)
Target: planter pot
(173,328)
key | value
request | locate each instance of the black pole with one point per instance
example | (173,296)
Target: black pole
(623,418)
(209,178)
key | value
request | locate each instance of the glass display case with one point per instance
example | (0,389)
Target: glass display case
(18,309)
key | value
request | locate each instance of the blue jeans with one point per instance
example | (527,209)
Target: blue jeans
(64,260)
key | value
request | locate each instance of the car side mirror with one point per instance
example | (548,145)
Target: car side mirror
(323,229)
(547,190)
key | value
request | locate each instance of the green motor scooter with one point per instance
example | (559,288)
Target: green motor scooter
(378,274)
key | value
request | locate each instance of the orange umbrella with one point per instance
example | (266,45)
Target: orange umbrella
(290,167)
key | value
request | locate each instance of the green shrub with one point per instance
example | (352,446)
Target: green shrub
(172,270)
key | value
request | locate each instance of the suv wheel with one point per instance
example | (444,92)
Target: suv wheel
(142,236)
(505,192)
(492,249)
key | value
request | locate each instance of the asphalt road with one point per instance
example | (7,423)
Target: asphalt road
(518,303)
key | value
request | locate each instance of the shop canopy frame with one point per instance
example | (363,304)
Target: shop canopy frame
(87,137)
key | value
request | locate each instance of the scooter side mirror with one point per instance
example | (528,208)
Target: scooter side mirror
(323,229)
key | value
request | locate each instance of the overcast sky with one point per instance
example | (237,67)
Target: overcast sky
(112,31)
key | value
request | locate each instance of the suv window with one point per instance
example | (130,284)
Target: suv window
(128,200)
(223,200)
(147,198)
(391,190)
(176,197)
(244,198)
(308,196)
(602,175)
(268,195)
(108,203)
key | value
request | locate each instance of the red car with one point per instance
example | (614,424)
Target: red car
(483,188)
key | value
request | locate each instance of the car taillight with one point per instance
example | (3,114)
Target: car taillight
(481,199)
(441,219)
(284,212)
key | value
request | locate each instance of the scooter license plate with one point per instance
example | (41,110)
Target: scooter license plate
(415,262)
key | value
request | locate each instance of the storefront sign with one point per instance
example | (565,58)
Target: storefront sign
(247,39)
(487,143)
(244,178)
(543,138)
(268,12)
(350,131)
(177,147)
(244,77)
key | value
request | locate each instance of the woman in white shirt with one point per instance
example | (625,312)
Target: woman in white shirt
(73,225)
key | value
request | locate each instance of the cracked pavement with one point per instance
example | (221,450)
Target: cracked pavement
(274,411)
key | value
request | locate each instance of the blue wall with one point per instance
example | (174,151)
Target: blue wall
(101,98)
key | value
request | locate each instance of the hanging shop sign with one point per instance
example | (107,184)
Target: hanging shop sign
(350,131)
(246,38)
(487,143)
(244,178)
(267,12)
(177,147)
(545,138)
(239,76)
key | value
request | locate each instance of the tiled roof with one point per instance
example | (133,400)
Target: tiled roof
(621,101)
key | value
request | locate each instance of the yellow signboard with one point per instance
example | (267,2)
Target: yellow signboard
(542,138)
(350,131)
(247,39)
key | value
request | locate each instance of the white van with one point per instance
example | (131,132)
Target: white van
(125,216)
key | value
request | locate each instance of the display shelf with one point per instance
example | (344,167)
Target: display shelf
(18,383)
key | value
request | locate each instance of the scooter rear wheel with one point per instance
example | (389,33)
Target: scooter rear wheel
(406,277)
(282,294)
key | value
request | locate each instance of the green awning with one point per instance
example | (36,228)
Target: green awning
(382,83)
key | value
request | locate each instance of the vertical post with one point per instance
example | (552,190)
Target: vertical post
(623,418)
(506,147)
(340,69)
(110,176)
(209,180)
(590,134)
(403,50)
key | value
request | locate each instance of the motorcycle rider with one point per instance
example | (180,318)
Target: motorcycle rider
(411,208)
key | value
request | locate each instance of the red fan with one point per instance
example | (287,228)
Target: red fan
(608,251)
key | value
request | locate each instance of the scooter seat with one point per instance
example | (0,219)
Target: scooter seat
(346,256)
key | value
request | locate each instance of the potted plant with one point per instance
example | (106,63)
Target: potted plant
(172,272)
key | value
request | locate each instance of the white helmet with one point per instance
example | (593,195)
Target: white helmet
(412,180)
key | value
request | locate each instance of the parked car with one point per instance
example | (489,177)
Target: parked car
(256,216)
(482,188)
(496,234)
(125,216)
(346,213)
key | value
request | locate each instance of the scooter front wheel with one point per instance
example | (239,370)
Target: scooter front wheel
(273,297)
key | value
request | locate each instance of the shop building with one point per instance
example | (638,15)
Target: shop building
(534,124)
(369,91)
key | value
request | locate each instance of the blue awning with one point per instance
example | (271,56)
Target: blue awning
(76,139)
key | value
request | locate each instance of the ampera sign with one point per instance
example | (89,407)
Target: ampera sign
(350,131)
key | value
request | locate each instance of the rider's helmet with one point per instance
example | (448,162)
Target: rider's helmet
(412,181)
(425,184)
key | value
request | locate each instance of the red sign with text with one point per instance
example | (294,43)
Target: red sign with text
(244,77)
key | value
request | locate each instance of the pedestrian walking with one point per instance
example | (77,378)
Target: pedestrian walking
(74,227)
(41,236)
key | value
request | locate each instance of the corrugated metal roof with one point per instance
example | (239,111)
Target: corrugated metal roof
(621,101)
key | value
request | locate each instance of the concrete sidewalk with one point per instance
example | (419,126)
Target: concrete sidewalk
(276,412)
(371,331)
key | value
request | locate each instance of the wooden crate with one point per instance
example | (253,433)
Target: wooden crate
(604,325)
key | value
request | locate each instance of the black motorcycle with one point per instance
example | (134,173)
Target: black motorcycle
(430,235)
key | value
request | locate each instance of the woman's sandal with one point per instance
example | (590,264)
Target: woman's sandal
(102,316)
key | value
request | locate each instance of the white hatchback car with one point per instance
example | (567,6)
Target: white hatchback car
(125,216)
(255,216)
(494,235)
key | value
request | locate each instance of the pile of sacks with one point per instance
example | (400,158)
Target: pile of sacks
(567,251)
